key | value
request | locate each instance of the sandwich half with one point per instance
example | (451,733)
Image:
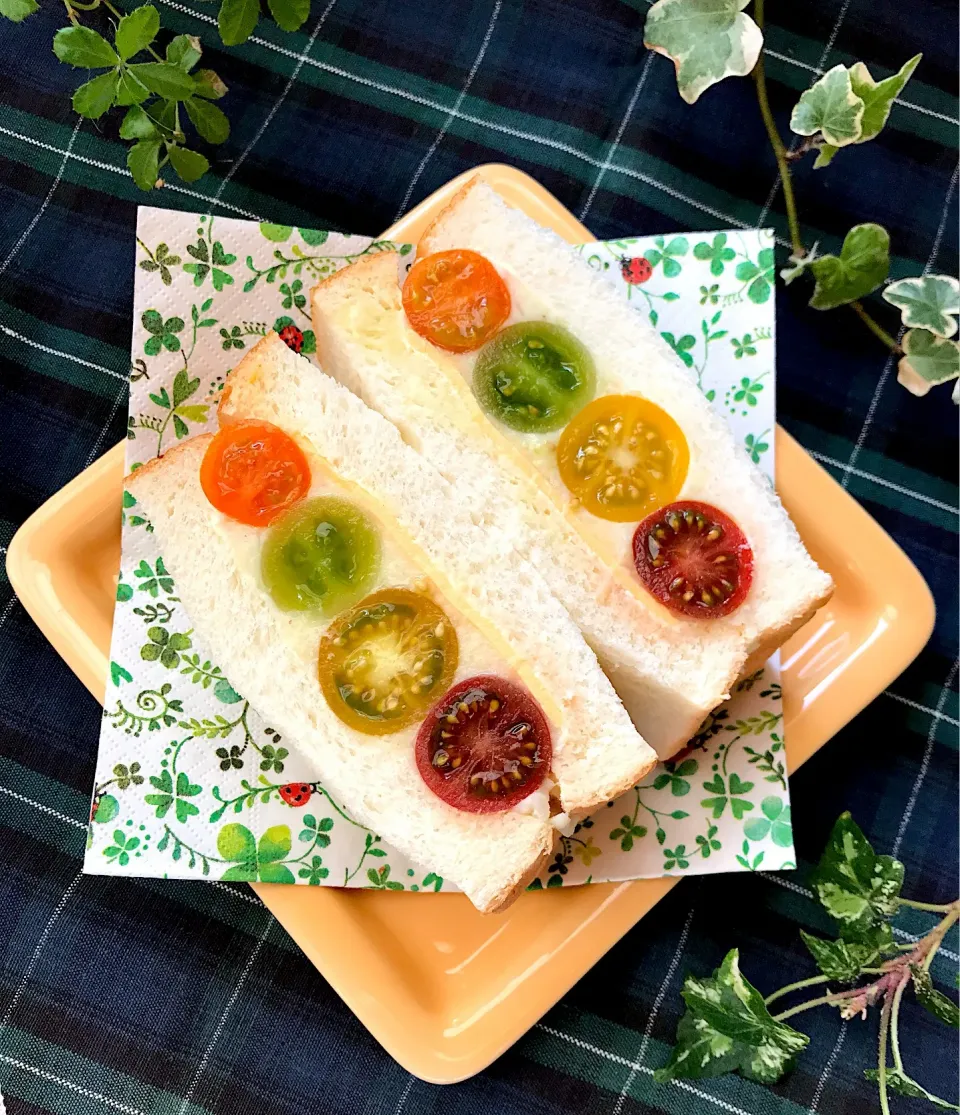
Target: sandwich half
(447,697)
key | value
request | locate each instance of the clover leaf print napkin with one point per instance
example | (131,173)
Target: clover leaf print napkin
(192,783)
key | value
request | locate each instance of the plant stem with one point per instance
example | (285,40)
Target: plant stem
(822,1001)
(881,334)
(811,982)
(779,151)
(937,936)
(894,1016)
(946,908)
(882,1057)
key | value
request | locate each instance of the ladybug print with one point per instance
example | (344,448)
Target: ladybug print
(292,337)
(634,271)
(296,794)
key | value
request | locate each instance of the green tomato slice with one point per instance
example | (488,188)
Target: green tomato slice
(321,555)
(534,376)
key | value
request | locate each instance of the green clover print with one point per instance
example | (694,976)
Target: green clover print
(674,778)
(237,844)
(231,339)
(168,796)
(743,347)
(211,263)
(152,582)
(163,334)
(122,848)
(666,254)
(759,275)
(755,446)
(682,346)
(709,294)
(315,873)
(775,822)
(748,391)
(164,646)
(380,880)
(628,832)
(718,253)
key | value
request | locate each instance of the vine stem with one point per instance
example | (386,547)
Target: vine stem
(799,985)
(877,330)
(938,934)
(894,1016)
(779,151)
(885,1012)
(946,908)
(809,1005)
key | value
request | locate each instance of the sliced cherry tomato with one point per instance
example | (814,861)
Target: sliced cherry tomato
(533,376)
(694,558)
(320,556)
(252,471)
(484,746)
(622,456)
(384,662)
(455,299)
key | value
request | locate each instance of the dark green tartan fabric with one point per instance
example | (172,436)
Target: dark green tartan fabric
(184,998)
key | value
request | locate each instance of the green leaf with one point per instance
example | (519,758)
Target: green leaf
(276,233)
(289,14)
(904,1085)
(142,160)
(184,51)
(274,844)
(190,165)
(207,84)
(275,873)
(928,302)
(878,96)
(858,888)
(164,79)
(929,361)
(16,10)
(136,31)
(933,1000)
(839,960)
(707,40)
(194,412)
(831,107)
(94,97)
(825,156)
(209,120)
(237,20)
(861,267)
(242,873)
(315,237)
(131,91)
(82,46)
(137,125)
(183,385)
(727,1028)
(236,842)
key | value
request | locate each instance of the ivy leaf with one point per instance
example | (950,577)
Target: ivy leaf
(136,31)
(138,125)
(878,96)
(904,1085)
(184,51)
(830,107)
(929,361)
(190,165)
(82,46)
(142,161)
(16,10)
(94,97)
(164,79)
(928,302)
(237,20)
(861,267)
(839,960)
(727,1028)
(209,120)
(933,1000)
(707,40)
(858,888)
(289,14)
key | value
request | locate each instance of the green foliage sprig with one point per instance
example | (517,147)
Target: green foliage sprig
(154,92)
(728,1025)
(709,40)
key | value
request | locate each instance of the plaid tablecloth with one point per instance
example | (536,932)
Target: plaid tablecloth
(168,998)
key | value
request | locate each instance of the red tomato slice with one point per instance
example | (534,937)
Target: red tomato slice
(252,471)
(455,299)
(484,746)
(694,559)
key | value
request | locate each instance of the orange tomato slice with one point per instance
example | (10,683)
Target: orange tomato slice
(622,457)
(252,471)
(456,300)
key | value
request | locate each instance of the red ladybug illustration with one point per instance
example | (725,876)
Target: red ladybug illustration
(636,270)
(296,793)
(292,337)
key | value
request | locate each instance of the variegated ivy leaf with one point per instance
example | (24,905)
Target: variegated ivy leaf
(928,302)
(831,108)
(877,97)
(861,267)
(707,40)
(727,1028)
(928,360)
(899,1082)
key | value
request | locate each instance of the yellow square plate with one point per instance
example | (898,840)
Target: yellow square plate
(444,989)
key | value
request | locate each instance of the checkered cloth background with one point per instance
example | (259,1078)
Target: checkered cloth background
(169,998)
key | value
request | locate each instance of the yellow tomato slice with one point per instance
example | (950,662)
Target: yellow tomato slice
(622,457)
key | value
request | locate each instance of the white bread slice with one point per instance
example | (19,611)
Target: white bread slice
(668,678)
(597,751)
(489,856)
(630,356)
